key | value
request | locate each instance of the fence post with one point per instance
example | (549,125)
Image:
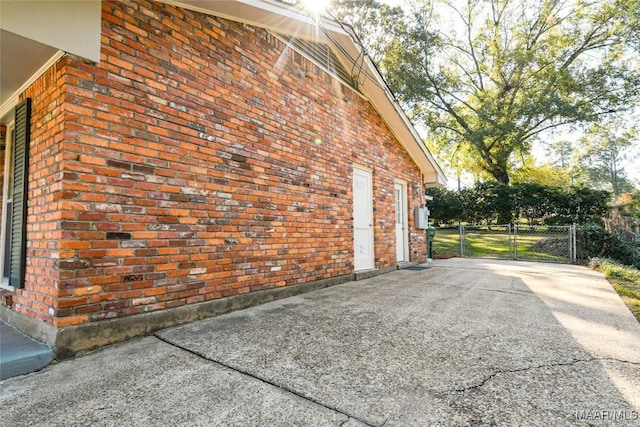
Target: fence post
(515,242)
(574,246)
(461,231)
(509,241)
(570,239)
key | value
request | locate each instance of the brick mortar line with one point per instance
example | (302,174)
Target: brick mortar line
(240,371)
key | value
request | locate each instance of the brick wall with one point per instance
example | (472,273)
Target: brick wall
(39,297)
(199,159)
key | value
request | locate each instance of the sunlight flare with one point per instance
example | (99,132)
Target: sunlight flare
(316,7)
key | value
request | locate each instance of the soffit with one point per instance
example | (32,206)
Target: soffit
(35,33)
(16,65)
(71,26)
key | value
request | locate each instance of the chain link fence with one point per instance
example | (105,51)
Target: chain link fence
(489,241)
(508,241)
(549,243)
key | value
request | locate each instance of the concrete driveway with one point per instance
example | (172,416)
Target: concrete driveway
(465,342)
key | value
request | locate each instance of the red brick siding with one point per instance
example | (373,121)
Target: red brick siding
(39,297)
(191,170)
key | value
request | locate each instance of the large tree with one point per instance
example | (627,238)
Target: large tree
(599,154)
(489,77)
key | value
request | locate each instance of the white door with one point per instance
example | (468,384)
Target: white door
(363,253)
(401,226)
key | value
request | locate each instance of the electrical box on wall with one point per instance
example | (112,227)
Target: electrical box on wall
(422,217)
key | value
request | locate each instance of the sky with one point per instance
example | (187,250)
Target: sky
(631,167)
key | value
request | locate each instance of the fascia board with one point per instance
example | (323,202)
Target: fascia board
(274,16)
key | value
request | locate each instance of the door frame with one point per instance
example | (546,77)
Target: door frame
(6,215)
(368,173)
(405,219)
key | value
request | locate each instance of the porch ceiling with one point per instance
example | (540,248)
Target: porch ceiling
(20,58)
(32,35)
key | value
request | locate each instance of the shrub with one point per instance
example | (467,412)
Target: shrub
(593,241)
(495,203)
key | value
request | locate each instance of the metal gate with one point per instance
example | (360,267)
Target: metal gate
(549,243)
(509,241)
(490,241)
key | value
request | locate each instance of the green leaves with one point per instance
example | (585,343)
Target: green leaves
(599,155)
(492,76)
(496,203)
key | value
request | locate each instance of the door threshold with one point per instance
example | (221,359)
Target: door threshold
(372,272)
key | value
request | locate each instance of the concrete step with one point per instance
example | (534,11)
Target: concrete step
(20,354)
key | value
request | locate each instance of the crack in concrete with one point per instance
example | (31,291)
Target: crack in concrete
(349,417)
(264,380)
(507,291)
(510,290)
(530,368)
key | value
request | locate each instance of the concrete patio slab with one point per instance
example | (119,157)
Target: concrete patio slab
(466,342)
(148,382)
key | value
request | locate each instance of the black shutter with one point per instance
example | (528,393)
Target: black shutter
(21,140)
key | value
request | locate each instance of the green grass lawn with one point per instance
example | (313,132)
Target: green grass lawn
(530,245)
(484,243)
(625,281)
(446,243)
(495,244)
